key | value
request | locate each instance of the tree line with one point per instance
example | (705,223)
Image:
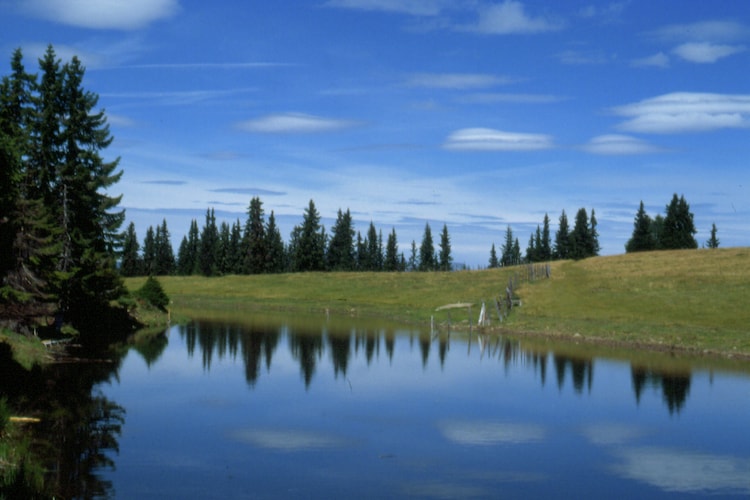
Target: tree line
(580,243)
(256,247)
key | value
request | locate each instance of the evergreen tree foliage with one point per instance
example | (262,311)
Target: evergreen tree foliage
(516,253)
(187,257)
(678,226)
(373,255)
(276,253)
(642,238)
(657,229)
(131,263)
(255,238)
(579,238)
(532,248)
(309,242)
(149,252)
(413,257)
(341,255)
(164,261)
(427,261)
(713,241)
(209,246)
(562,238)
(235,257)
(493,258)
(545,246)
(445,260)
(225,243)
(593,236)
(506,258)
(392,260)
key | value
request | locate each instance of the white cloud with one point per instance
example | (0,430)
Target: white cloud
(616,144)
(706,31)
(510,17)
(413,7)
(485,139)
(457,80)
(706,52)
(103,14)
(294,123)
(659,60)
(686,112)
(583,57)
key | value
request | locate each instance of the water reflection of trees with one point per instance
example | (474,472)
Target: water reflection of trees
(77,432)
(674,386)
(311,345)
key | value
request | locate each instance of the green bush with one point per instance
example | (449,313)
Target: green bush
(4,414)
(153,293)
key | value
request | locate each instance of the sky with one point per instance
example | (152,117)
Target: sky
(474,114)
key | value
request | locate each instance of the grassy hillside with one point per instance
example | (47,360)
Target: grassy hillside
(696,299)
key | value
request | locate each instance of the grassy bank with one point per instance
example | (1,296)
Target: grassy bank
(664,300)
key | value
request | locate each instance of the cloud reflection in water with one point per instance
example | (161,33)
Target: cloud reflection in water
(685,472)
(287,440)
(486,433)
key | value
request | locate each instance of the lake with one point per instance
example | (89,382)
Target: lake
(338,408)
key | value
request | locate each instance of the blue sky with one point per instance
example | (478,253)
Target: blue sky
(475,114)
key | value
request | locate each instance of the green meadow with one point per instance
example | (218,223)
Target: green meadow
(693,300)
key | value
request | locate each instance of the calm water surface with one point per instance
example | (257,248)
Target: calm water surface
(322,410)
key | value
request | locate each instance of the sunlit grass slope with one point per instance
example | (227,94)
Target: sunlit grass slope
(696,298)
(693,298)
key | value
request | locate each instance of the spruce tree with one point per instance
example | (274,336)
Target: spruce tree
(642,238)
(678,226)
(413,257)
(255,238)
(276,254)
(187,259)
(562,238)
(392,261)
(579,238)
(164,259)
(373,250)
(427,251)
(149,252)
(506,258)
(713,241)
(209,246)
(546,244)
(225,249)
(341,255)
(235,255)
(445,260)
(131,262)
(493,258)
(309,251)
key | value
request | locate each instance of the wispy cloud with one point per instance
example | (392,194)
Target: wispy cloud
(705,31)
(583,57)
(510,17)
(686,112)
(204,65)
(706,52)
(412,7)
(248,190)
(479,433)
(295,123)
(659,60)
(496,97)
(485,139)
(179,97)
(457,80)
(165,182)
(703,42)
(103,14)
(616,144)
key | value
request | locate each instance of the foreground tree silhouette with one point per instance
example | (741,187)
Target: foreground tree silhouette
(66,229)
